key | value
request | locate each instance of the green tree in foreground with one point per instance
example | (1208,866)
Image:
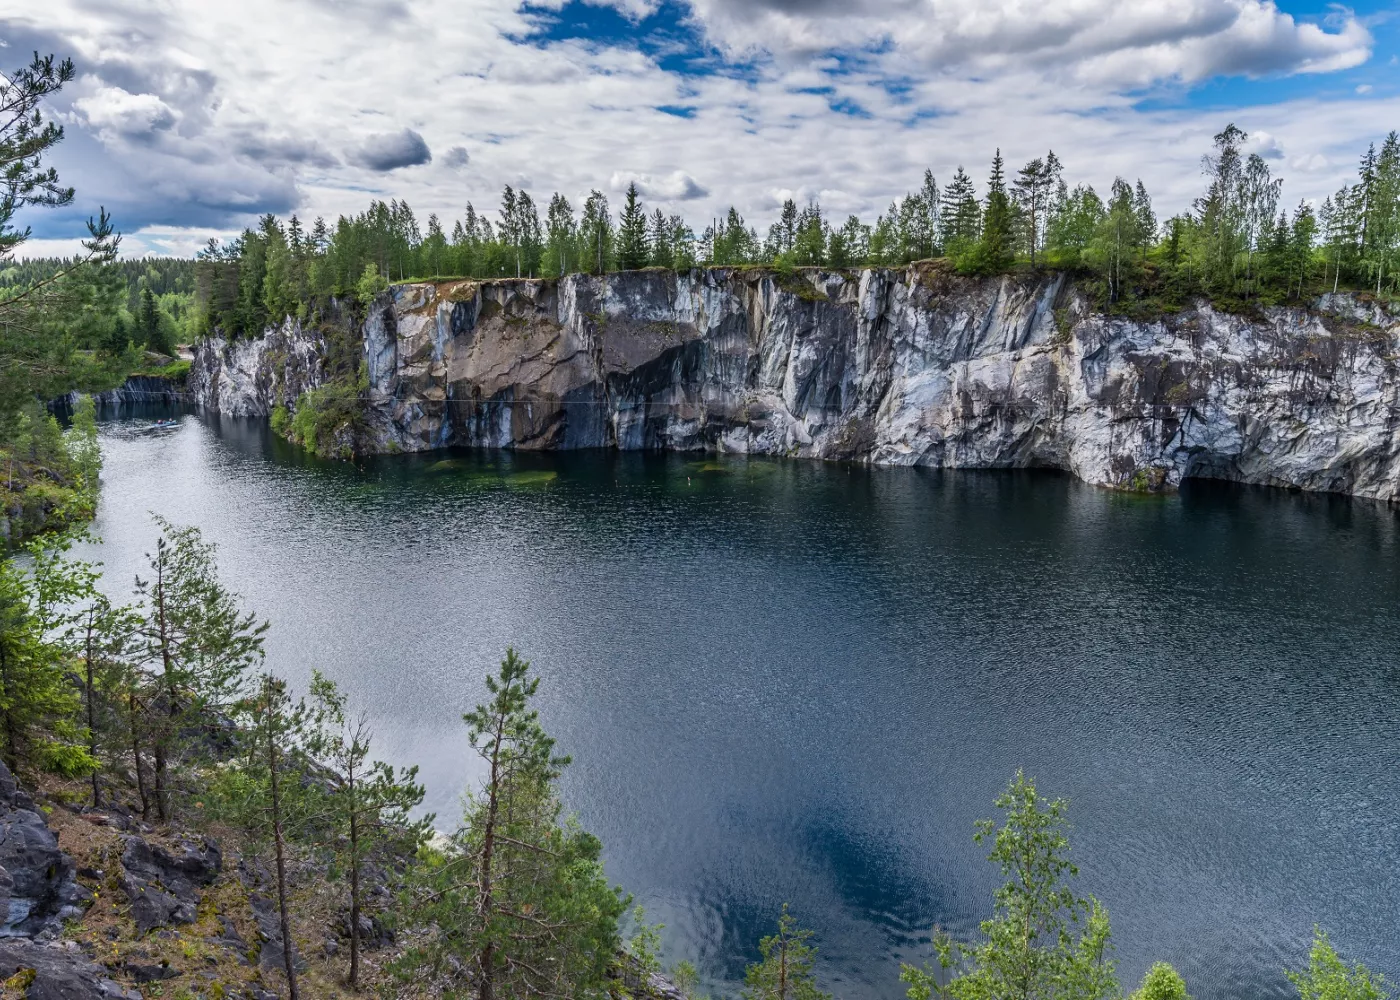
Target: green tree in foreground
(520,901)
(1328,978)
(368,804)
(1042,942)
(786,970)
(1162,982)
(199,639)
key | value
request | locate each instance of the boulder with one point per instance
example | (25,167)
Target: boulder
(163,886)
(37,886)
(58,973)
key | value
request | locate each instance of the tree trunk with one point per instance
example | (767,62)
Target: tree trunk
(487,990)
(11,730)
(167,665)
(288,961)
(91,712)
(136,753)
(354,880)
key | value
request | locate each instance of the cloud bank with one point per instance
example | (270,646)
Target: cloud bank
(198,117)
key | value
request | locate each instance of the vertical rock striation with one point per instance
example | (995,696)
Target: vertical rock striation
(895,367)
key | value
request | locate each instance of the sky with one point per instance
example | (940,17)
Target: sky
(189,119)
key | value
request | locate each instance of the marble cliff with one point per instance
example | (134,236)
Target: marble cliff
(914,366)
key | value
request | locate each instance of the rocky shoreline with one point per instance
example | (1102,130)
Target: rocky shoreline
(916,366)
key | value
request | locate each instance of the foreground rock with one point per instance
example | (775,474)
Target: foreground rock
(54,972)
(37,886)
(893,367)
(163,886)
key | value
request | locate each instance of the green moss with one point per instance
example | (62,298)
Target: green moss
(176,371)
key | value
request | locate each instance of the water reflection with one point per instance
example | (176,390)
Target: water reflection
(800,682)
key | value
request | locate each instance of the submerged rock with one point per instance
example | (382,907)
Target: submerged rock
(915,366)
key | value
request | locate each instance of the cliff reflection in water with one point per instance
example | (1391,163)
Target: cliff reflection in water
(792,681)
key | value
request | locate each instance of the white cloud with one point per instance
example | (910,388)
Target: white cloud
(115,114)
(201,116)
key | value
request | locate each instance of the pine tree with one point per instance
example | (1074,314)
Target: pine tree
(961,216)
(785,973)
(368,803)
(632,232)
(522,901)
(200,641)
(1042,941)
(659,253)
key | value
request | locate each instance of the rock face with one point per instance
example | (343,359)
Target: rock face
(248,378)
(37,887)
(163,886)
(58,973)
(892,367)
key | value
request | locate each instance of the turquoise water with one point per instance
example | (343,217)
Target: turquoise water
(800,682)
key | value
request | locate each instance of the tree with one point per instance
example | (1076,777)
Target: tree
(561,235)
(368,803)
(996,249)
(521,902)
(659,249)
(1162,982)
(785,973)
(201,641)
(276,725)
(632,232)
(961,216)
(1042,942)
(596,234)
(371,284)
(1033,188)
(1328,978)
(39,632)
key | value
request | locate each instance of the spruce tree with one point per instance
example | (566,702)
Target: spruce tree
(632,232)
(996,249)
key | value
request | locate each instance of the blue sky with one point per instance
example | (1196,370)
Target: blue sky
(189,120)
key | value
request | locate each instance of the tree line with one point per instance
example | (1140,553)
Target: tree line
(1236,242)
(167,701)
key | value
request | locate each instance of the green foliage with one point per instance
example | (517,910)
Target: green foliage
(368,805)
(371,284)
(1042,942)
(39,636)
(785,972)
(632,251)
(329,419)
(1327,977)
(200,642)
(1162,982)
(522,902)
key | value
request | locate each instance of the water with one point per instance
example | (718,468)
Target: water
(799,682)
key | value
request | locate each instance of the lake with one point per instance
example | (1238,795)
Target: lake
(787,681)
